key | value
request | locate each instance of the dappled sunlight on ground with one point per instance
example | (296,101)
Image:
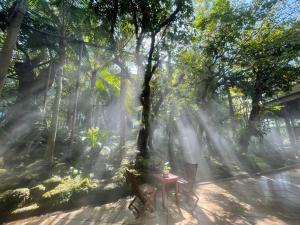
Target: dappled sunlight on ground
(266,200)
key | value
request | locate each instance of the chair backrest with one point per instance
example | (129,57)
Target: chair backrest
(132,180)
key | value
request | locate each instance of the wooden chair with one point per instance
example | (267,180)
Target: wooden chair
(189,192)
(144,192)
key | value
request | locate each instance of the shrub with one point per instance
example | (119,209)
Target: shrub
(120,174)
(257,161)
(69,189)
(37,192)
(12,199)
(52,182)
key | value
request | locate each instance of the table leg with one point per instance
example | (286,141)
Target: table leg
(163,195)
(166,194)
(177,190)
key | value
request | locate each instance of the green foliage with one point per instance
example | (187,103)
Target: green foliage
(36,192)
(120,175)
(219,168)
(52,182)
(257,161)
(68,189)
(166,168)
(93,134)
(12,199)
(234,49)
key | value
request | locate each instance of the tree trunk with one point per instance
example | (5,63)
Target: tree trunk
(253,121)
(145,98)
(144,131)
(47,82)
(92,99)
(171,156)
(56,105)
(290,131)
(69,111)
(13,29)
(74,116)
(251,129)
(123,114)
(231,109)
(278,131)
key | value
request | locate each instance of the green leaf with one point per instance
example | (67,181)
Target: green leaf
(112,79)
(100,85)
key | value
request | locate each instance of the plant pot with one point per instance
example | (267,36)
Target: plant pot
(165,175)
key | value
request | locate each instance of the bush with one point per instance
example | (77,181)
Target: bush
(12,199)
(258,162)
(67,190)
(52,182)
(120,174)
(37,192)
(220,169)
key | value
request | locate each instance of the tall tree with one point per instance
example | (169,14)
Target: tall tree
(15,20)
(76,95)
(56,105)
(154,23)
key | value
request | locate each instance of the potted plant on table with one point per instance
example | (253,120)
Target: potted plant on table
(166,169)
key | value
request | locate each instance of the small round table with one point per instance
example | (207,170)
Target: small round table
(165,181)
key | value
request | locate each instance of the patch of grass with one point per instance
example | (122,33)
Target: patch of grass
(28,208)
(3,172)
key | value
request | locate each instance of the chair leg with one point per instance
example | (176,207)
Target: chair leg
(131,203)
(197,199)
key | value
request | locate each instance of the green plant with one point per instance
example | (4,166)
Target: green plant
(12,199)
(52,182)
(68,190)
(166,168)
(92,135)
(120,175)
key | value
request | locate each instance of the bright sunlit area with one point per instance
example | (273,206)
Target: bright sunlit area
(150,112)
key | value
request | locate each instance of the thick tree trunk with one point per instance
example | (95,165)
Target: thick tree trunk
(13,29)
(76,95)
(251,129)
(56,105)
(253,121)
(145,98)
(143,137)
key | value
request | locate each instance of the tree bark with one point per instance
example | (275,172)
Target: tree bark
(143,137)
(252,125)
(13,29)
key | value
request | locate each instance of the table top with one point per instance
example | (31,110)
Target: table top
(171,178)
